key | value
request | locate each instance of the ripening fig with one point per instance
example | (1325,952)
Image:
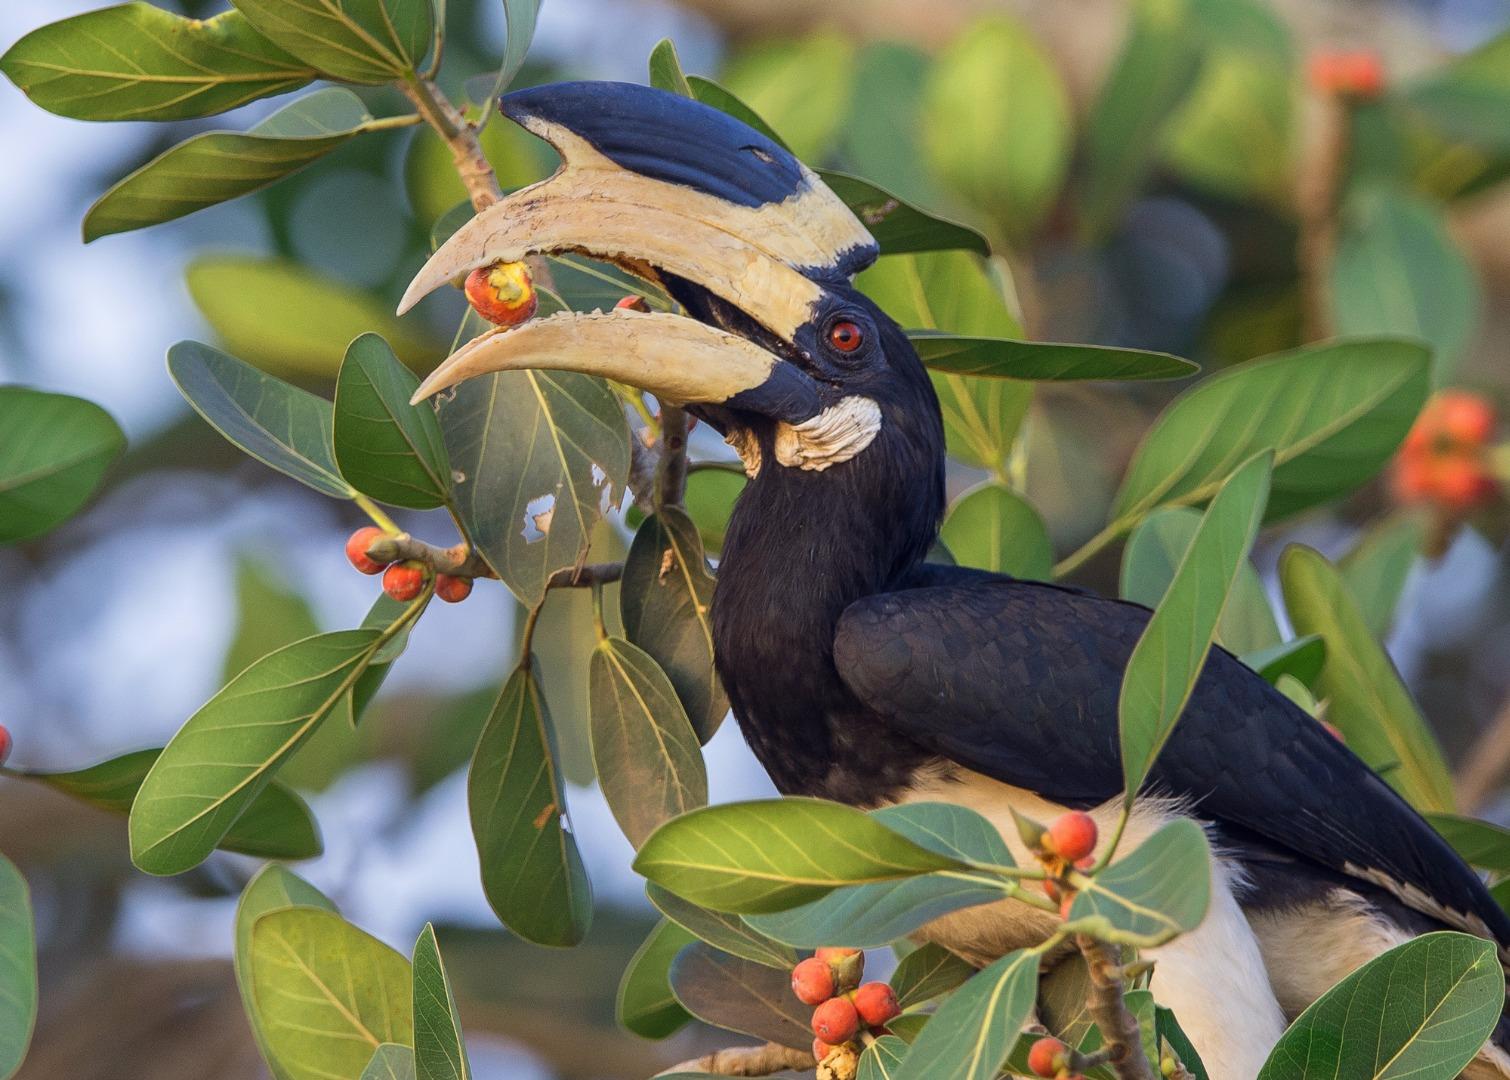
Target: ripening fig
(1464,417)
(453,590)
(5,743)
(1072,836)
(821,1050)
(632,302)
(502,293)
(404,581)
(812,981)
(356,550)
(1048,1057)
(836,1021)
(848,965)
(876,1002)
(1356,73)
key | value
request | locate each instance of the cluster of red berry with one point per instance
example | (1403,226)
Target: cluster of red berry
(830,980)
(1069,841)
(402,580)
(1444,461)
(1356,73)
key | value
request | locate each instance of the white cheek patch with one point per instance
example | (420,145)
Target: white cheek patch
(835,435)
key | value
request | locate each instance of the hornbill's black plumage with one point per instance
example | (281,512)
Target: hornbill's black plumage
(859,672)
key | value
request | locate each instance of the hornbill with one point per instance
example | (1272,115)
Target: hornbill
(860,672)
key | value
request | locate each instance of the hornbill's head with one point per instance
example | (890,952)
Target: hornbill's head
(797,368)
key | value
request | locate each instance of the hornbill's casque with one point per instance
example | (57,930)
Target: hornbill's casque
(859,672)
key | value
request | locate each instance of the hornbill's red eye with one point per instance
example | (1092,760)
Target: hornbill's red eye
(845,336)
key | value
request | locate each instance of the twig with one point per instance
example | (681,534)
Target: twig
(1108,1008)
(672,481)
(644,466)
(1317,189)
(747,1061)
(457,562)
(1486,763)
(460,138)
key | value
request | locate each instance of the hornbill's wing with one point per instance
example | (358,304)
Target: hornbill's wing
(1019,681)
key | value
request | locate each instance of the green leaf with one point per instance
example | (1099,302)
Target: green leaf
(390,1062)
(665,600)
(1169,656)
(272,889)
(728,933)
(138,62)
(539,455)
(1152,75)
(874,914)
(992,527)
(269,615)
(532,872)
(439,1051)
(974,1030)
(276,825)
(1017,1058)
(802,86)
(1005,358)
(955,292)
(739,995)
(724,100)
(666,69)
(217,166)
(643,747)
(1152,555)
(1397,270)
(645,1004)
(1333,414)
(926,973)
(317,317)
(897,225)
(327,994)
(1300,658)
(997,125)
(54,452)
(359,41)
(1422,1010)
(1162,889)
(18,969)
(226,753)
(385,447)
(709,501)
(521,16)
(1482,844)
(773,854)
(1173,1035)
(1366,698)
(882,1059)
(1469,99)
(1376,568)
(278,424)
(385,612)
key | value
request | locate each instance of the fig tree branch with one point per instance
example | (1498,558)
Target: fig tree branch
(460,561)
(460,137)
(1108,1008)
(672,480)
(747,1061)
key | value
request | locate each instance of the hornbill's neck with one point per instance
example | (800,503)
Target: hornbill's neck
(802,545)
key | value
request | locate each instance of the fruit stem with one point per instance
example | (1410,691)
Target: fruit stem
(375,512)
(1111,847)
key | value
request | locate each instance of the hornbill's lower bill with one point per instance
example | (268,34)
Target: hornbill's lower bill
(860,672)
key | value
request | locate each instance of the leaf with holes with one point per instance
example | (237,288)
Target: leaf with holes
(439,1051)
(740,995)
(54,453)
(665,600)
(384,446)
(1365,696)
(643,747)
(1333,414)
(773,854)
(1422,1010)
(138,62)
(18,969)
(993,528)
(1168,658)
(359,41)
(645,1004)
(729,933)
(532,871)
(276,423)
(1162,889)
(226,753)
(974,1030)
(327,994)
(538,456)
(217,166)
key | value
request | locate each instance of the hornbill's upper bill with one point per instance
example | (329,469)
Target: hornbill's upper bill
(860,672)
